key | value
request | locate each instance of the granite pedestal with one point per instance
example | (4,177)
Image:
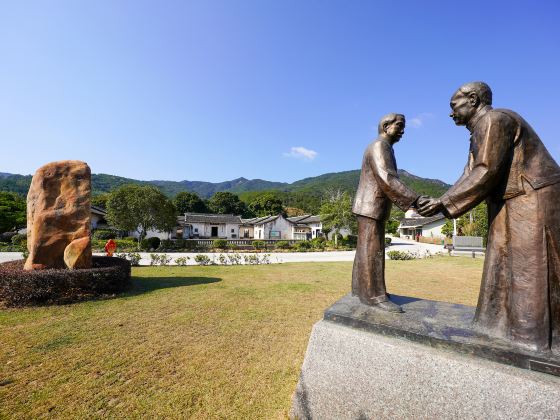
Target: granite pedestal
(426,363)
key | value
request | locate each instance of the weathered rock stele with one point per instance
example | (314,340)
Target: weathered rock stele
(58,216)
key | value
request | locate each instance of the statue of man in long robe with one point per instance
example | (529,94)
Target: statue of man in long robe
(512,170)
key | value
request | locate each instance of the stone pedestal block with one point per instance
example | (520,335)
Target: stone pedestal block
(354,374)
(364,363)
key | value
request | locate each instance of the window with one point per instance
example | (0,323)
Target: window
(233,231)
(195,230)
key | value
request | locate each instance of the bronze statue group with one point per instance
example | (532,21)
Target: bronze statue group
(510,168)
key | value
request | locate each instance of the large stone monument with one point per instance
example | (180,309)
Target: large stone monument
(441,360)
(58,216)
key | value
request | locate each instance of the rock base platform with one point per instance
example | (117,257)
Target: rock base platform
(364,363)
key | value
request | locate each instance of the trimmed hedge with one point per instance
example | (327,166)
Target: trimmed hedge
(19,287)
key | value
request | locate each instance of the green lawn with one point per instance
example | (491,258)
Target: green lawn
(201,342)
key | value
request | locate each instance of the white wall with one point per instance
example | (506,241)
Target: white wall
(204,230)
(278,225)
(154,233)
(433,230)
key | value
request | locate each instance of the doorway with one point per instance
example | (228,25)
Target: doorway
(214,231)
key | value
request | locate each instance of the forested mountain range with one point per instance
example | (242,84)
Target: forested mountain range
(347,181)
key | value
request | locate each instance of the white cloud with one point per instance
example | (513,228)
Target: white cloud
(418,121)
(301,153)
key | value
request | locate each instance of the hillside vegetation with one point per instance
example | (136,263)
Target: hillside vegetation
(292,193)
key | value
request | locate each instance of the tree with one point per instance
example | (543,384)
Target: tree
(294,211)
(12,211)
(336,212)
(447,228)
(224,202)
(473,223)
(391,226)
(265,204)
(187,202)
(140,208)
(100,200)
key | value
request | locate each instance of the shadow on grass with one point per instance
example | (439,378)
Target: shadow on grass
(142,285)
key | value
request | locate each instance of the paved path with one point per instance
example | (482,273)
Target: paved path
(283,257)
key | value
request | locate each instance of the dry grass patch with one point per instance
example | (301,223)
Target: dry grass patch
(199,342)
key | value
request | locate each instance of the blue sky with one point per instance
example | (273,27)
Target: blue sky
(279,90)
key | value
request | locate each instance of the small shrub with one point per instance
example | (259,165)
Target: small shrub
(401,255)
(318,243)
(234,259)
(250,259)
(283,245)
(201,259)
(351,241)
(258,245)
(179,243)
(154,242)
(166,245)
(219,244)
(19,239)
(388,241)
(133,257)
(159,259)
(181,261)
(189,245)
(222,259)
(231,246)
(164,259)
(154,259)
(104,234)
(303,246)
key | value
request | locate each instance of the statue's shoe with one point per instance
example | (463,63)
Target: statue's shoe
(389,306)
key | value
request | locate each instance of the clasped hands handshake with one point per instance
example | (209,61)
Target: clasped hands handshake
(428,206)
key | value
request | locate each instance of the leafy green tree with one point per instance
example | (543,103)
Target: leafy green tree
(447,228)
(336,212)
(13,211)
(224,202)
(391,226)
(187,202)
(140,208)
(100,200)
(473,223)
(265,204)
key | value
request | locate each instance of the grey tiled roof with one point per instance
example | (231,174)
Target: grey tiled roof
(420,221)
(98,210)
(259,220)
(305,219)
(209,218)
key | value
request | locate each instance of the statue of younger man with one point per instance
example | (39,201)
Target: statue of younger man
(379,187)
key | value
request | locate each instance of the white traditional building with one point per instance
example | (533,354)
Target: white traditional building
(98,218)
(229,226)
(414,224)
(205,226)
(268,227)
(306,227)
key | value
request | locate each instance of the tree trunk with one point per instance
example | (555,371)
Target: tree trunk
(336,238)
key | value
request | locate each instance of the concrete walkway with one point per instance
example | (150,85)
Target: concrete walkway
(398,244)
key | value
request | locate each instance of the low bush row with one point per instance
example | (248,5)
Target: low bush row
(181,245)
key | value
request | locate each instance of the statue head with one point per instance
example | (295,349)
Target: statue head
(391,126)
(468,99)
